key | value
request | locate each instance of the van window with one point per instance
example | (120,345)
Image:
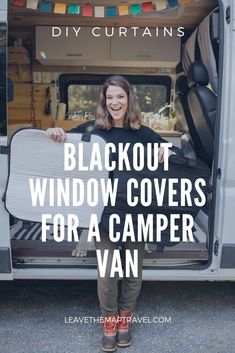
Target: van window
(83,99)
(81,95)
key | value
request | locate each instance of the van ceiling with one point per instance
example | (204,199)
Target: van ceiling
(191,16)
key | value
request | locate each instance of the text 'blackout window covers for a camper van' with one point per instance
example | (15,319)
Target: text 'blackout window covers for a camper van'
(81,94)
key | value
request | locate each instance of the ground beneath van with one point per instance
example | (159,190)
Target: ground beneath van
(33,315)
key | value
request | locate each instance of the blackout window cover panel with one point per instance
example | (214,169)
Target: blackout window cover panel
(34,155)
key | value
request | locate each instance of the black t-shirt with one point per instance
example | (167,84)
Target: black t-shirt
(116,135)
(178,168)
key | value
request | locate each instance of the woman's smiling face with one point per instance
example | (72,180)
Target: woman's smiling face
(117,104)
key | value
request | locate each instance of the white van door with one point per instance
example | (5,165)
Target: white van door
(5,242)
(225,200)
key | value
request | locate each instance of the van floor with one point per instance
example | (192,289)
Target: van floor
(26,246)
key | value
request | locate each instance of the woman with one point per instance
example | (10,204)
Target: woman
(118,120)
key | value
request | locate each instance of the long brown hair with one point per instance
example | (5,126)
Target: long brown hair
(132,118)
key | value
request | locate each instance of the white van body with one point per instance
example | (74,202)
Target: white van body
(221,267)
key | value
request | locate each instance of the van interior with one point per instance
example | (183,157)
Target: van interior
(55,82)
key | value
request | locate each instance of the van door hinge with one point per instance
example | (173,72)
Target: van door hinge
(216,247)
(228,14)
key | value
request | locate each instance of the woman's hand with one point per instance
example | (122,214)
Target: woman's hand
(57,134)
(161,154)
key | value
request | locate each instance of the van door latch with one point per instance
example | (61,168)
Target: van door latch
(4,149)
(228,15)
(216,247)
